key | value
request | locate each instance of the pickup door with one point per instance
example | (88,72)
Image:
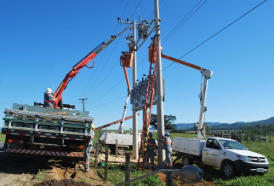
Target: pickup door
(212,153)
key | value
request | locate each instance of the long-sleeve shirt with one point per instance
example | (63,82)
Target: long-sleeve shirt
(151,144)
(48,100)
(167,143)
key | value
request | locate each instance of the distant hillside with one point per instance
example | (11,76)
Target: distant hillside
(224,126)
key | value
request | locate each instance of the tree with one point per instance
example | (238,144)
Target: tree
(205,124)
(169,121)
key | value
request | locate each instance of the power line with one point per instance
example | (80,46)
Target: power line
(105,51)
(109,102)
(135,9)
(196,46)
(174,30)
(104,67)
(218,32)
(144,59)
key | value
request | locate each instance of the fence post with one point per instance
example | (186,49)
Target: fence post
(116,148)
(169,178)
(96,155)
(106,164)
(127,177)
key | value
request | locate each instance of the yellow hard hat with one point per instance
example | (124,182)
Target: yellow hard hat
(93,127)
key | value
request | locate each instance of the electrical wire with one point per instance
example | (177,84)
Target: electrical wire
(135,9)
(105,52)
(218,32)
(144,59)
(166,38)
(185,19)
(109,102)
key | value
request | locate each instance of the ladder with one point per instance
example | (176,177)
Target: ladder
(153,53)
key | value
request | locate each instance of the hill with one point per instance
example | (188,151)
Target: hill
(224,126)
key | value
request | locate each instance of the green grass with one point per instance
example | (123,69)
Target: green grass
(41,176)
(213,176)
(116,174)
(2,137)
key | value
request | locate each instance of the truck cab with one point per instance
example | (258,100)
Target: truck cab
(232,157)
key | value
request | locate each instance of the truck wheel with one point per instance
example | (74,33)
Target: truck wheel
(186,161)
(228,169)
(121,151)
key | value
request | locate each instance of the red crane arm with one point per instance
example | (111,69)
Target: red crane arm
(82,63)
(58,93)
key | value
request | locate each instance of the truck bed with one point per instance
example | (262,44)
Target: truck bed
(189,146)
(36,130)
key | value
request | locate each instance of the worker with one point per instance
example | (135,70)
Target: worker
(48,98)
(167,147)
(151,145)
(88,149)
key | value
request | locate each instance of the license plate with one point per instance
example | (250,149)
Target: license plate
(260,170)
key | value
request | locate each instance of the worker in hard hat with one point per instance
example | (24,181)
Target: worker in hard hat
(48,98)
(88,149)
(151,145)
(167,147)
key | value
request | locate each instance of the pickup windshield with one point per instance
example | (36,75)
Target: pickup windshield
(228,144)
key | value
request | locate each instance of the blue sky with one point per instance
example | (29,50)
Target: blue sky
(41,40)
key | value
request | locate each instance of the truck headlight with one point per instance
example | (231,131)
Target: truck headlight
(243,158)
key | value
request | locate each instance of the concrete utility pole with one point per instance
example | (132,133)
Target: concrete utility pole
(159,90)
(134,112)
(134,83)
(84,102)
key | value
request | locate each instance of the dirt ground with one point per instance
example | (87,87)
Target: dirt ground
(15,171)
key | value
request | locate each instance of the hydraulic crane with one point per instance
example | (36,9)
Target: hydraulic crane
(207,75)
(77,67)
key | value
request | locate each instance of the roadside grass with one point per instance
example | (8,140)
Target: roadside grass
(2,137)
(213,176)
(116,175)
(41,176)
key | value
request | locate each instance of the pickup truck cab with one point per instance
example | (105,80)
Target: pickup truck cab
(227,154)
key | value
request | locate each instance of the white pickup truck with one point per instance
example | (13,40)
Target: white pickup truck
(228,155)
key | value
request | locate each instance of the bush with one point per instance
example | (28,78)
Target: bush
(178,131)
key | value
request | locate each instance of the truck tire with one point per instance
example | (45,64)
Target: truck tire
(121,151)
(186,161)
(228,169)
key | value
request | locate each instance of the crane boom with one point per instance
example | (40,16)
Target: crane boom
(207,75)
(112,123)
(78,66)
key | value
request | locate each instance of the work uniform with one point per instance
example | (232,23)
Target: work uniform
(151,145)
(88,151)
(48,100)
(168,149)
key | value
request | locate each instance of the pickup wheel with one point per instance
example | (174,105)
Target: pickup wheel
(228,169)
(121,151)
(186,161)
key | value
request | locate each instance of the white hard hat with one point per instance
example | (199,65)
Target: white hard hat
(48,91)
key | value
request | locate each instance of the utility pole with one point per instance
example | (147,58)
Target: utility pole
(134,82)
(159,90)
(83,101)
(134,112)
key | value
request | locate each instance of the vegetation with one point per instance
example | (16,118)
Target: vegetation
(196,126)
(258,129)
(2,137)
(116,174)
(169,121)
